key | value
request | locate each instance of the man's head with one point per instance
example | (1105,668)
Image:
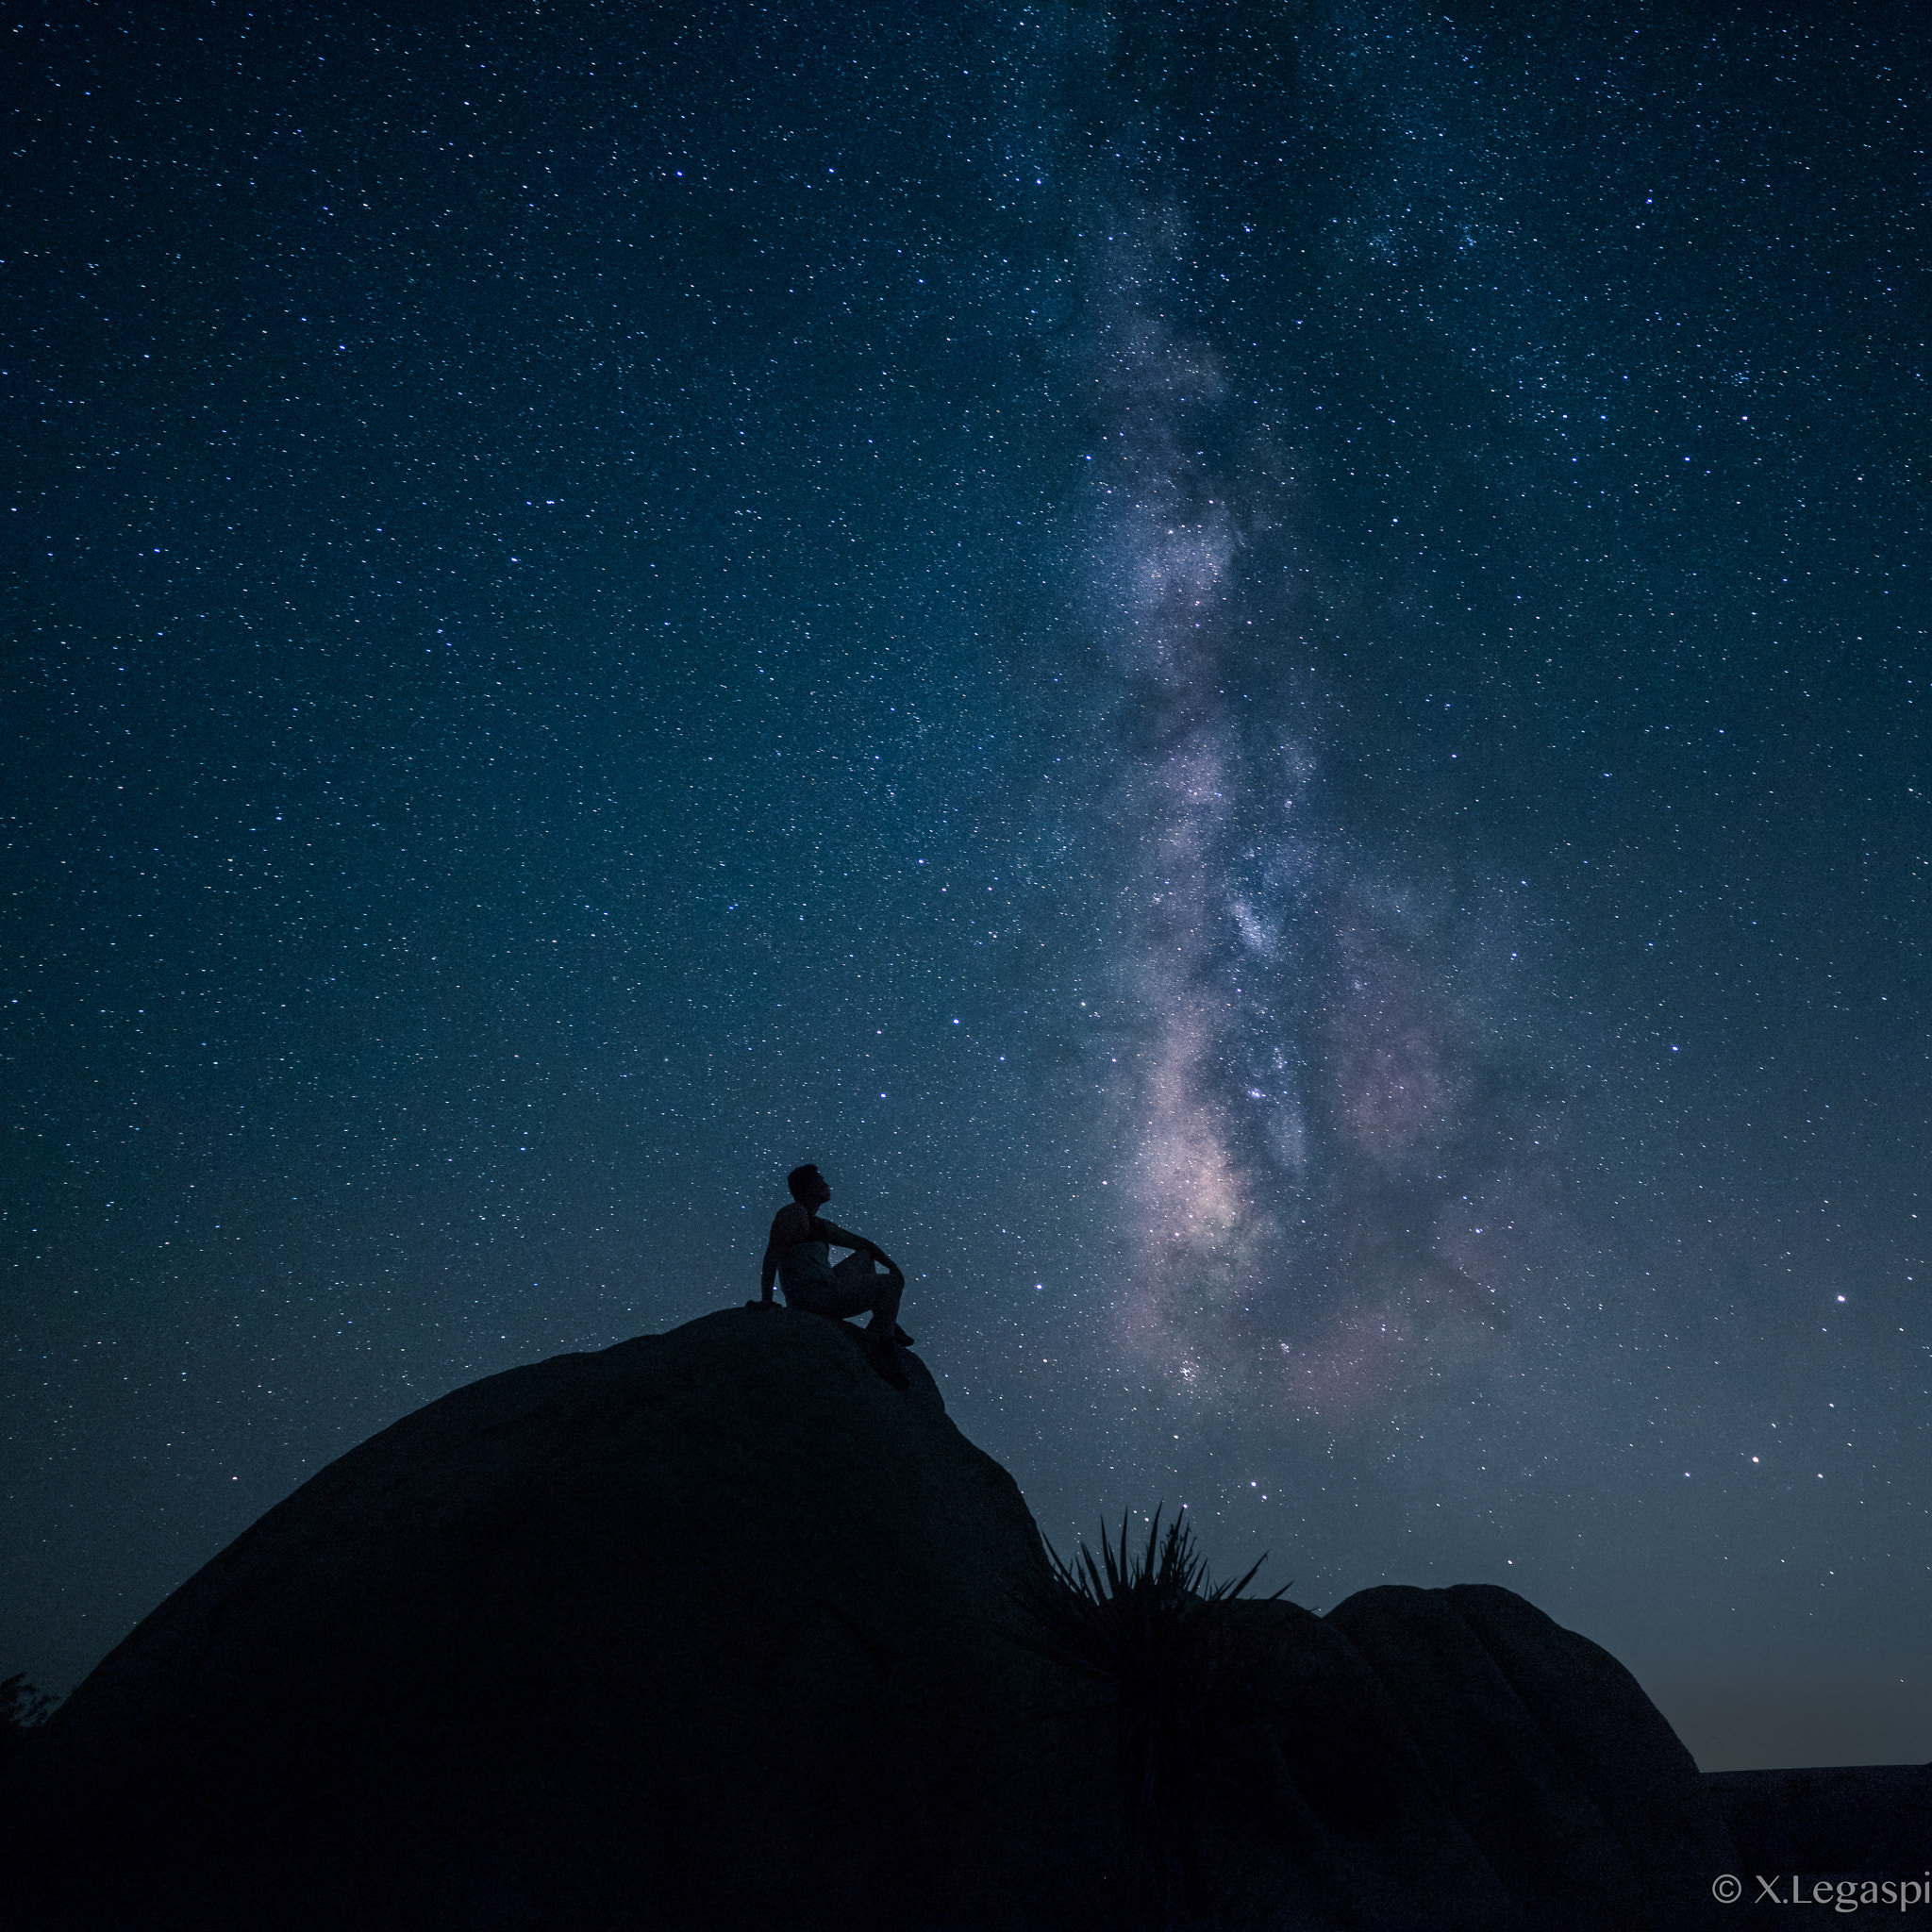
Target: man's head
(808,1186)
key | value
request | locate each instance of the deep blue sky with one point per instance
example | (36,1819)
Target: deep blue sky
(1262,669)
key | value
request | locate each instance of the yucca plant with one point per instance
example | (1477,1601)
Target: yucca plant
(1153,1629)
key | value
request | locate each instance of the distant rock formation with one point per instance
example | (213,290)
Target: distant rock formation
(717,1629)
(1868,1819)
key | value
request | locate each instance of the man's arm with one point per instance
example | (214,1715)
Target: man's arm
(840,1239)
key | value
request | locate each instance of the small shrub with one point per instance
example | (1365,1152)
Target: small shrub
(23,1709)
(1152,1627)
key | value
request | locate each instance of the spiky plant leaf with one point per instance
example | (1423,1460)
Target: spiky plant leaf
(1152,1628)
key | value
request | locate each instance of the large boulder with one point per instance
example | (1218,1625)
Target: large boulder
(1450,1759)
(718,1628)
(705,1630)
(1553,1764)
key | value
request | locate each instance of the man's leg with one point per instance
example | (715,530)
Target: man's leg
(865,1288)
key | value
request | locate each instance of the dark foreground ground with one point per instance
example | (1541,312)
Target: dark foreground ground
(718,1628)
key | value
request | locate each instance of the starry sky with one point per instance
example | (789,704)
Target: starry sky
(1262,669)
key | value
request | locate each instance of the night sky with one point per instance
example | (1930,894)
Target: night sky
(1262,669)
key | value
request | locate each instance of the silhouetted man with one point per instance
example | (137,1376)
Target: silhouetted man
(798,1256)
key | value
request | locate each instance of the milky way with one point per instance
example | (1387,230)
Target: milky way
(1304,1040)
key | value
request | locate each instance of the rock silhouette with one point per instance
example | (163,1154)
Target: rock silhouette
(716,1629)
(702,1629)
